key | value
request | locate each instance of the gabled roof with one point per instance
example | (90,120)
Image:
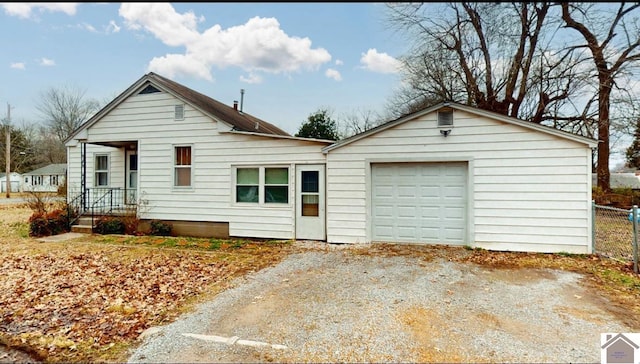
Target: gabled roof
(470,109)
(51,169)
(239,121)
(620,337)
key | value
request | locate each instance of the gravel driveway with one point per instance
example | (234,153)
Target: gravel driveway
(337,305)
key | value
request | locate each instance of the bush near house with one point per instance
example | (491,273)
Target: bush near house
(160,228)
(109,225)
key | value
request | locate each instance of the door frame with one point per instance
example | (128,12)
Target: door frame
(127,175)
(311,227)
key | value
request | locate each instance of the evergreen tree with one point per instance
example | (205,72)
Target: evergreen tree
(319,125)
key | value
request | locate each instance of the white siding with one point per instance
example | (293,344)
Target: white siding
(528,190)
(149,120)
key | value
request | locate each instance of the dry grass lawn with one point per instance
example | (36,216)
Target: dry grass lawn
(90,298)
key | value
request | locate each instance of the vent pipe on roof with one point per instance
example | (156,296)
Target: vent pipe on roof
(235,105)
(241,98)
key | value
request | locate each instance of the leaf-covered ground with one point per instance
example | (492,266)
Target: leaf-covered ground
(90,298)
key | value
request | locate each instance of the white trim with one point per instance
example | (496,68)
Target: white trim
(191,186)
(96,170)
(278,136)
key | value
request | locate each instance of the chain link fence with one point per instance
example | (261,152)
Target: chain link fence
(614,233)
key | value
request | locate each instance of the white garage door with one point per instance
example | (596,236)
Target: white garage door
(419,202)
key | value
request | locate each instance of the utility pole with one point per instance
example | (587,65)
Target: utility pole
(7,151)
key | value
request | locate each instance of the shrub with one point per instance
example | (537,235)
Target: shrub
(50,223)
(160,228)
(109,225)
(39,225)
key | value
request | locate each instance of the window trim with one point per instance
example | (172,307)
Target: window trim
(96,170)
(261,185)
(174,167)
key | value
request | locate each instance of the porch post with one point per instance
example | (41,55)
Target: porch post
(83,174)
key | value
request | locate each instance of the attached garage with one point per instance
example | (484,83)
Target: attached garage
(454,174)
(419,202)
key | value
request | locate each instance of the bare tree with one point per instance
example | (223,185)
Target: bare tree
(65,109)
(495,56)
(358,121)
(613,40)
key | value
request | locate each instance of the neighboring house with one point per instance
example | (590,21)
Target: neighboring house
(45,179)
(449,174)
(14,180)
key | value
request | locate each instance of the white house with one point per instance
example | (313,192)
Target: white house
(45,179)
(14,180)
(449,174)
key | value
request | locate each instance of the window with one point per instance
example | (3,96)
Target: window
(36,180)
(276,185)
(247,185)
(53,180)
(182,166)
(179,112)
(310,190)
(101,169)
(445,118)
(268,185)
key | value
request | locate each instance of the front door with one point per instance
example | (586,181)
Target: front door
(310,202)
(131,189)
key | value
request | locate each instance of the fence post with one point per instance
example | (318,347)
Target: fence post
(593,226)
(635,238)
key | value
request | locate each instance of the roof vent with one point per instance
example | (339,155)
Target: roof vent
(235,104)
(445,118)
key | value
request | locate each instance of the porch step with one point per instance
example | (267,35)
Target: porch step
(84,220)
(87,229)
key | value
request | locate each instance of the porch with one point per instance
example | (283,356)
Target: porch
(107,183)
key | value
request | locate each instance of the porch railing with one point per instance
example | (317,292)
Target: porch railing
(101,201)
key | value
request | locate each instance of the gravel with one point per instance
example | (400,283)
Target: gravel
(335,305)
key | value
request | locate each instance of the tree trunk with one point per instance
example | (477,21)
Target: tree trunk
(604,93)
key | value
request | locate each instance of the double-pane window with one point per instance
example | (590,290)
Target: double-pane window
(101,169)
(182,166)
(269,185)
(247,185)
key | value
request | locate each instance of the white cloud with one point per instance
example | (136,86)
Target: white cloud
(379,62)
(18,66)
(253,78)
(112,27)
(88,27)
(339,62)
(256,46)
(47,62)
(24,10)
(331,73)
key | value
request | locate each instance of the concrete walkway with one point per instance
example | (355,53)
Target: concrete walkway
(61,237)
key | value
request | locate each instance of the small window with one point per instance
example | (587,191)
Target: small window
(445,118)
(247,185)
(276,185)
(101,170)
(179,112)
(182,166)
(53,180)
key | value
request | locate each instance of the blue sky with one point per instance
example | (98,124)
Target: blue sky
(291,59)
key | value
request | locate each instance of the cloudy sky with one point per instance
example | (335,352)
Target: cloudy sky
(291,59)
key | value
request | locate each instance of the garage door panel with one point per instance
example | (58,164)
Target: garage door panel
(419,202)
